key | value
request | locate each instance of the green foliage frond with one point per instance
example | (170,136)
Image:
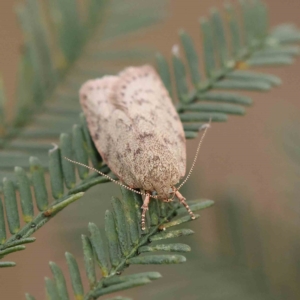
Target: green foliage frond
(65,187)
(55,36)
(226,60)
(196,105)
(51,48)
(121,245)
(64,44)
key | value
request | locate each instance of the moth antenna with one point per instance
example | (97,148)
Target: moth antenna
(108,177)
(205,127)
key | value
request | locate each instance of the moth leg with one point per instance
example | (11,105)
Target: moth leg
(183,202)
(145,208)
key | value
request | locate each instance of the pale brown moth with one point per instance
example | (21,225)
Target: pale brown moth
(138,133)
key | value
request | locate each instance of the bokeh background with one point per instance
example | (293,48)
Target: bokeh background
(247,246)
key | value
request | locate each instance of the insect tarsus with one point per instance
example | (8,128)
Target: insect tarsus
(183,202)
(145,208)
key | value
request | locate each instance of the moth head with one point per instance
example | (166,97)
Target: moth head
(166,195)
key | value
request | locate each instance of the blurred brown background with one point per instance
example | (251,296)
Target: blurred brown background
(247,245)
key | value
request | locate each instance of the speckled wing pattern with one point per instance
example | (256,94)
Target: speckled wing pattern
(136,128)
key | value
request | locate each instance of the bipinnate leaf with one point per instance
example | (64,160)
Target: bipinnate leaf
(139,249)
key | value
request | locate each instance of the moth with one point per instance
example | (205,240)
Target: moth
(138,133)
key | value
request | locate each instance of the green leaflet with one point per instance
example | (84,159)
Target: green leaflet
(192,127)
(25,194)
(192,57)
(11,207)
(203,117)
(179,221)
(180,75)
(157,259)
(75,276)
(91,149)
(190,134)
(11,250)
(220,108)
(132,217)
(171,234)
(119,279)
(225,97)
(196,205)
(7,264)
(67,167)
(245,75)
(99,249)
(208,47)
(17,242)
(274,51)
(278,60)
(88,254)
(81,154)
(235,37)
(153,212)
(113,239)
(119,287)
(96,244)
(121,226)
(163,70)
(51,289)
(231,84)
(2,223)
(166,247)
(56,173)
(218,29)
(60,281)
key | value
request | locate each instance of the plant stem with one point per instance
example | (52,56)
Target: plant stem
(143,241)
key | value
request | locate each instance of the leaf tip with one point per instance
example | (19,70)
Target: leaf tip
(175,50)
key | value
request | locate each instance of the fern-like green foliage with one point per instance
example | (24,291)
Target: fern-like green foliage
(64,45)
(248,47)
(122,245)
(225,60)
(251,45)
(55,37)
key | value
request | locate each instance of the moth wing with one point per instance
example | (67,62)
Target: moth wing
(103,119)
(123,113)
(149,106)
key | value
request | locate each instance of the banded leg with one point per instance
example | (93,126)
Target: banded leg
(145,208)
(182,201)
